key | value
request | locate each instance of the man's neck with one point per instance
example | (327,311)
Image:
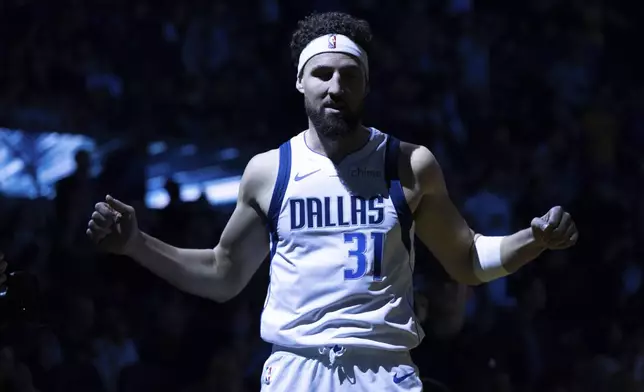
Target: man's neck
(337,149)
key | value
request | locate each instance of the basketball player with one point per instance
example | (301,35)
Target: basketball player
(336,207)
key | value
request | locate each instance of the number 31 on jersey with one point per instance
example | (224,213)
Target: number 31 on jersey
(359,253)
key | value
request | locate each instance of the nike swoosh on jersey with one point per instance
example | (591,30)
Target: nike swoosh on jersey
(299,177)
(398,380)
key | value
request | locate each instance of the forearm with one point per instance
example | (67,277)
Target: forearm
(496,257)
(519,249)
(195,271)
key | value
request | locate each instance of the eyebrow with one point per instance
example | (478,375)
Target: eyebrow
(344,67)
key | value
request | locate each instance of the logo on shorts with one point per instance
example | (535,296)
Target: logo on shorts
(332,41)
(398,380)
(268,371)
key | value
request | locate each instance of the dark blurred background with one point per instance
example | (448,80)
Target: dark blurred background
(527,105)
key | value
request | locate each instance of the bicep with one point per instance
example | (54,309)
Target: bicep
(442,228)
(243,245)
(446,233)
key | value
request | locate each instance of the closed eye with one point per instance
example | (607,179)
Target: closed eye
(322,73)
(348,73)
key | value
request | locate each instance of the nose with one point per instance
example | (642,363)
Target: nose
(335,85)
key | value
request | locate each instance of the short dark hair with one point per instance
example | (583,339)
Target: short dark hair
(319,24)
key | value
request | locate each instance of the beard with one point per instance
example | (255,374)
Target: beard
(335,125)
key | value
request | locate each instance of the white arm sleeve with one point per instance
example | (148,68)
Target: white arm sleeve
(488,266)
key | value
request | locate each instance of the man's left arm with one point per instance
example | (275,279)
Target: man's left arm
(472,258)
(555,230)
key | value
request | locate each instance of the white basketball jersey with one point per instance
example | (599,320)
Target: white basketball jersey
(341,251)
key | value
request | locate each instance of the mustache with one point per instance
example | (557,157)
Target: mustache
(335,104)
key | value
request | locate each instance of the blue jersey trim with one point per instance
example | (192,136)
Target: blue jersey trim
(281,183)
(405,217)
(396,191)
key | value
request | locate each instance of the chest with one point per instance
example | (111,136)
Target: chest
(326,192)
(324,200)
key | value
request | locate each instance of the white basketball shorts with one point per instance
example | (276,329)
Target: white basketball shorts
(338,369)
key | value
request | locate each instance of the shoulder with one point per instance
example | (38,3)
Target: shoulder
(259,176)
(263,162)
(418,164)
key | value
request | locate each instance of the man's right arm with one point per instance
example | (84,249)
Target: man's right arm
(220,273)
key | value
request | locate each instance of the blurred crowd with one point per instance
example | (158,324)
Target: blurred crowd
(527,105)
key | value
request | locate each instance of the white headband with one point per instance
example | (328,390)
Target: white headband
(333,43)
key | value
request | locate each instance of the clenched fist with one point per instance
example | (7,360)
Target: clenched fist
(113,226)
(555,230)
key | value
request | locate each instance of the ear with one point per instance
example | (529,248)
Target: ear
(298,85)
(367,89)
